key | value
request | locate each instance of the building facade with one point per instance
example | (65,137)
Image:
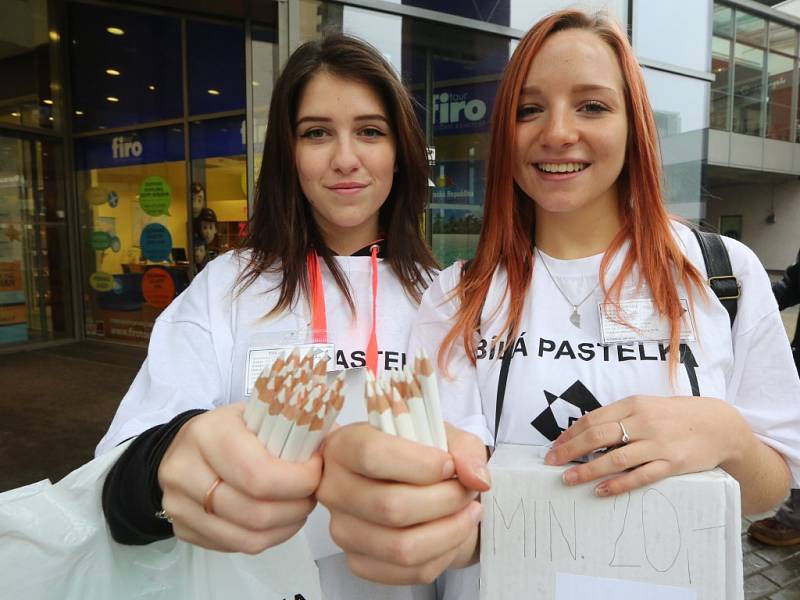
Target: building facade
(131,132)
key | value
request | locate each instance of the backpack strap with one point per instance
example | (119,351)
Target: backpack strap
(721,279)
(505,365)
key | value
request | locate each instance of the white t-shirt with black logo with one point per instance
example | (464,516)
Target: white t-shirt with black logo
(559,371)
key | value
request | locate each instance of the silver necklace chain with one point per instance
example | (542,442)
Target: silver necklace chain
(575,317)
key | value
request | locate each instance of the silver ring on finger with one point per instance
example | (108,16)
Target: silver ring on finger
(625,437)
(163,515)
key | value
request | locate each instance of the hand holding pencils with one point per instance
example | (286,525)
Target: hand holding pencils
(292,406)
(407,404)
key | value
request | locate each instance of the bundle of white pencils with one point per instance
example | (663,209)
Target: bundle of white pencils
(406,403)
(292,407)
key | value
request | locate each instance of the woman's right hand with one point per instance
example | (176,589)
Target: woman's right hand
(260,502)
(396,509)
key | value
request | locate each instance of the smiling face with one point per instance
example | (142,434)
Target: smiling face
(571,127)
(345,156)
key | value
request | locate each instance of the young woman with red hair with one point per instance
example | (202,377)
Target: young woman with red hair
(599,302)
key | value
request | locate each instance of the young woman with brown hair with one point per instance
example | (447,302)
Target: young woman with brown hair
(334,257)
(599,302)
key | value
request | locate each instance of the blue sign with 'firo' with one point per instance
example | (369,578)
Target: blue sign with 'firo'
(156,242)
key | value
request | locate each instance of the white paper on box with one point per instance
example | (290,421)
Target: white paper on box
(683,532)
(569,587)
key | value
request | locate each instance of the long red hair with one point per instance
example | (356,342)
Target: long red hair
(508,228)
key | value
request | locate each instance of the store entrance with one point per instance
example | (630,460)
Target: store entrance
(34,277)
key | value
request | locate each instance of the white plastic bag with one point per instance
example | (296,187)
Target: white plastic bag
(54,544)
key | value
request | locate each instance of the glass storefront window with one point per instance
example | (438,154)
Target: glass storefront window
(748,89)
(216,67)
(453,75)
(721,49)
(132,194)
(780,69)
(35,295)
(679,106)
(656,26)
(265,71)
(28,46)
(488,11)
(465,71)
(126,67)
(219,187)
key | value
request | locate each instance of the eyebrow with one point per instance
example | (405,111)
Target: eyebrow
(583,87)
(314,119)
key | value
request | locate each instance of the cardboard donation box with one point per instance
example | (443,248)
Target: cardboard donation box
(678,539)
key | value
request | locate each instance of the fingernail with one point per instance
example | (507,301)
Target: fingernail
(557,442)
(482,473)
(550,458)
(475,512)
(448,470)
(570,477)
(601,490)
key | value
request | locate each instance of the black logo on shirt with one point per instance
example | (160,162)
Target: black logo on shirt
(564,409)
(358,358)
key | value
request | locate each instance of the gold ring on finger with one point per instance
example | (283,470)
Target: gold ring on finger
(207,506)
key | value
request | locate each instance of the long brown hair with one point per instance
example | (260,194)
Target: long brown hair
(509,223)
(283,230)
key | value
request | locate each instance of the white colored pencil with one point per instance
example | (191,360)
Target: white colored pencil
(315,398)
(385,411)
(373,417)
(256,407)
(335,403)
(271,416)
(419,416)
(399,382)
(385,380)
(297,436)
(314,437)
(293,361)
(402,417)
(339,382)
(262,396)
(280,431)
(307,362)
(320,370)
(430,394)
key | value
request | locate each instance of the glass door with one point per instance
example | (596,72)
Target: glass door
(34,278)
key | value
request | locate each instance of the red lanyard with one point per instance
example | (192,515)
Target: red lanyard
(319,319)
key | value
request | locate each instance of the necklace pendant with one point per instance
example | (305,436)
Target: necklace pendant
(575,318)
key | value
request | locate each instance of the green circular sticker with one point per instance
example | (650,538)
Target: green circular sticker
(100,240)
(102,282)
(155,196)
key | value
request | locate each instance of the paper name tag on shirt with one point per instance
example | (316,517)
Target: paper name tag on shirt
(259,359)
(638,320)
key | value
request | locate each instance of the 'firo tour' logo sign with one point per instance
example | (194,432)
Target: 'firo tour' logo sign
(454,108)
(122,147)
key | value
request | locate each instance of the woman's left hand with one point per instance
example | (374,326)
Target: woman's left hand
(667,436)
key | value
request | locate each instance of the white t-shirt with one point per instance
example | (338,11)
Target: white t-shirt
(198,352)
(561,371)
